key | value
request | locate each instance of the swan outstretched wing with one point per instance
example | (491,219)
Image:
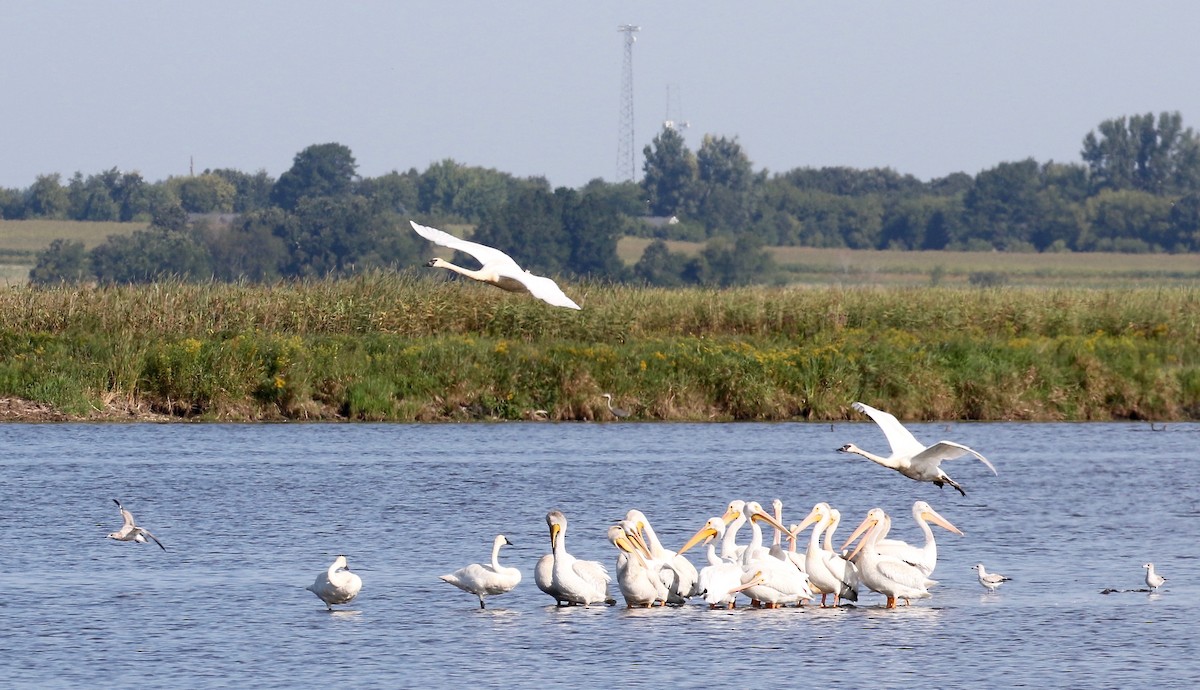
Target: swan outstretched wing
(947,450)
(485,255)
(899,438)
(540,287)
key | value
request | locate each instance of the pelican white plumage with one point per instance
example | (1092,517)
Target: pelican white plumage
(774,582)
(130,531)
(497,268)
(543,572)
(1153,579)
(925,556)
(337,585)
(989,580)
(828,573)
(888,575)
(489,579)
(720,580)
(909,456)
(638,576)
(683,583)
(576,581)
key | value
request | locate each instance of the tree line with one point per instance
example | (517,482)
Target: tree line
(1135,189)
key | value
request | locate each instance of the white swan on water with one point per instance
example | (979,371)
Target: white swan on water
(910,457)
(497,268)
(484,580)
(337,585)
(130,531)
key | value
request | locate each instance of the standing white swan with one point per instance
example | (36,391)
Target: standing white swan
(576,581)
(497,268)
(130,531)
(337,585)
(486,580)
(910,457)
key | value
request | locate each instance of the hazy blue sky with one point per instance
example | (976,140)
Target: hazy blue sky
(533,88)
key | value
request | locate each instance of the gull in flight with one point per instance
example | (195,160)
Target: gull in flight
(989,580)
(1153,579)
(337,585)
(130,531)
(910,457)
(497,268)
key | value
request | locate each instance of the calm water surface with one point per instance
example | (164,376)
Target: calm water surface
(251,513)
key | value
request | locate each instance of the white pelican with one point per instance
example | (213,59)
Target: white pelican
(130,531)
(578,582)
(497,268)
(772,581)
(888,575)
(638,576)
(1153,579)
(924,557)
(721,579)
(685,574)
(828,573)
(989,580)
(486,580)
(543,572)
(910,457)
(337,585)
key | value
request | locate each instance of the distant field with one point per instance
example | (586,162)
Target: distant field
(21,240)
(810,265)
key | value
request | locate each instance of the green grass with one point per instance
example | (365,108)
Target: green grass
(21,240)
(402,347)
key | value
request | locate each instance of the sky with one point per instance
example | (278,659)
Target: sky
(533,88)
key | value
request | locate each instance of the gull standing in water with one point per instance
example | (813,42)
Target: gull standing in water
(486,580)
(497,268)
(989,580)
(337,585)
(1153,579)
(130,531)
(910,457)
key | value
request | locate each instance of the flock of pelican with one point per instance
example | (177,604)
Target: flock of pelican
(648,574)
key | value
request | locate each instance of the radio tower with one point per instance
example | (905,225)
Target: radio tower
(625,145)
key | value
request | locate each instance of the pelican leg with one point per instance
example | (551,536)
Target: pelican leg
(891,602)
(481,604)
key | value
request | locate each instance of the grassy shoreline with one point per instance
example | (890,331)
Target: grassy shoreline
(408,348)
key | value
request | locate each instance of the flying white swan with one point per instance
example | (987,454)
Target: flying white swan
(486,580)
(497,268)
(888,575)
(910,457)
(1153,579)
(638,575)
(337,585)
(130,531)
(989,580)
(578,582)
(685,574)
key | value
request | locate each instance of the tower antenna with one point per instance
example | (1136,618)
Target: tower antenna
(625,139)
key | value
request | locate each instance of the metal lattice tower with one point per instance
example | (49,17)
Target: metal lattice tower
(625,140)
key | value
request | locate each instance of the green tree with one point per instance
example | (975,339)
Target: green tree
(592,229)
(251,192)
(63,261)
(47,198)
(723,191)
(529,228)
(660,266)
(205,193)
(317,171)
(1156,156)
(1001,207)
(670,171)
(149,255)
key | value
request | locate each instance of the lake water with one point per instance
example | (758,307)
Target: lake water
(251,513)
